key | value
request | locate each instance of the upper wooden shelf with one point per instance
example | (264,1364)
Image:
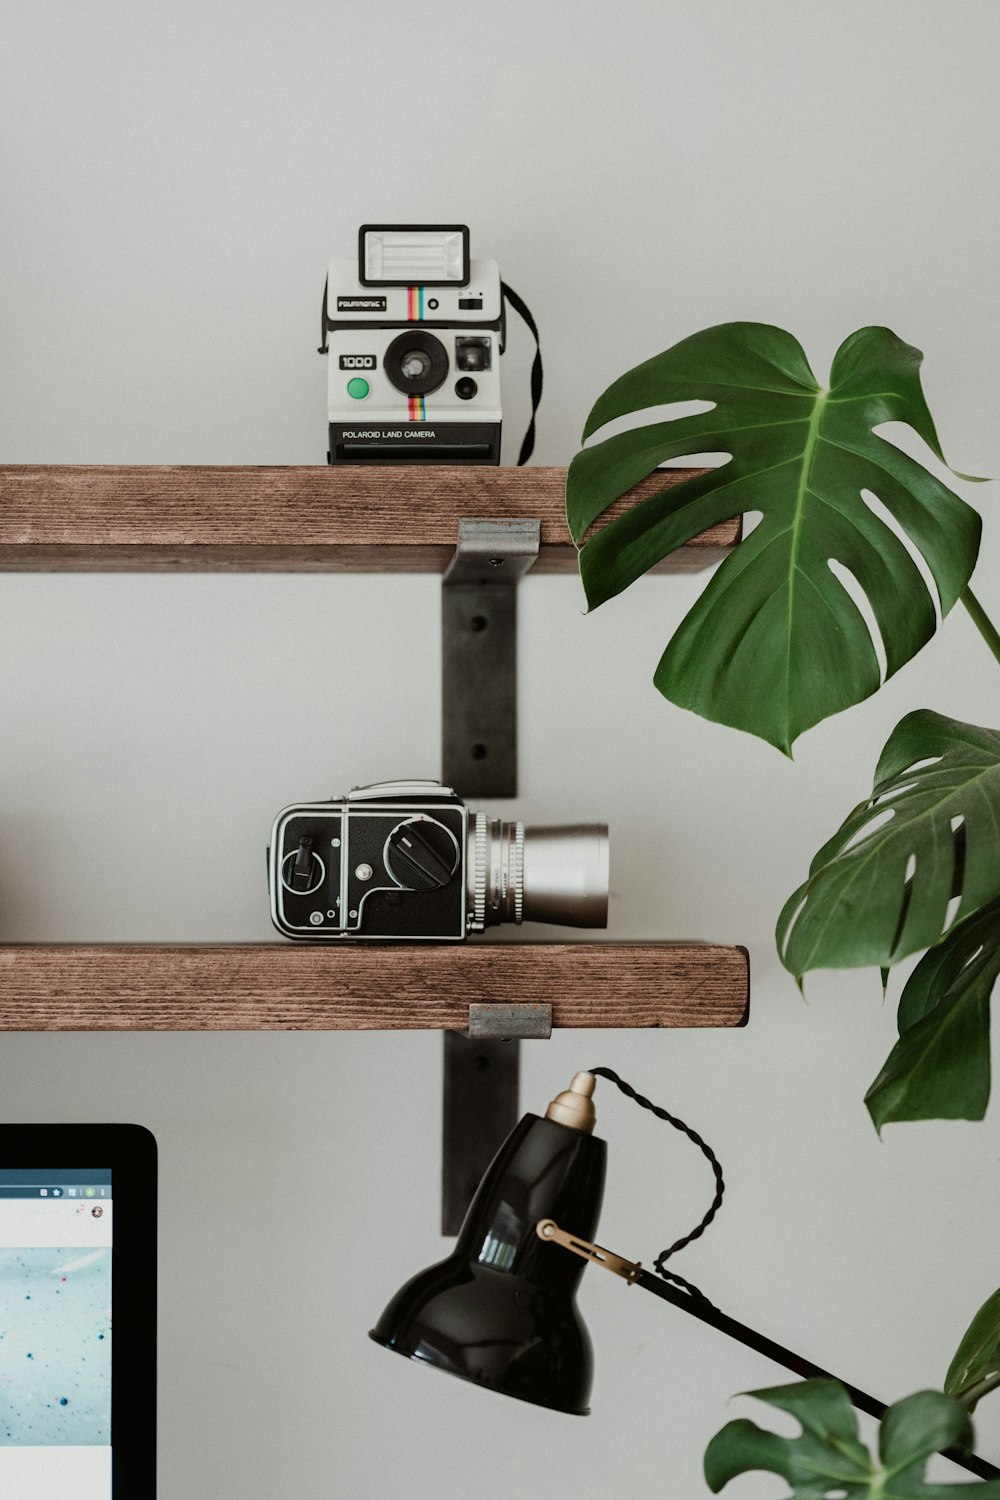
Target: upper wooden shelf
(153,518)
(292,987)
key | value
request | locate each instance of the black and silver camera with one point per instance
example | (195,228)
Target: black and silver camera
(407,860)
(414,331)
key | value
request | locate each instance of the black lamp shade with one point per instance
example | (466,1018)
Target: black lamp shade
(501,1310)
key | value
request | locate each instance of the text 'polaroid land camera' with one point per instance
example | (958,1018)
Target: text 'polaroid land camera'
(407,860)
(414,331)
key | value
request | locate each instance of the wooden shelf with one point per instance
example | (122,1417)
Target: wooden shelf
(151,518)
(285,987)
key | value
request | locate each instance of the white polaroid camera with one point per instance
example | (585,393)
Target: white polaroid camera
(414,330)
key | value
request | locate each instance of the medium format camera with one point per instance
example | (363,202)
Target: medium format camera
(414,330)
(407,860)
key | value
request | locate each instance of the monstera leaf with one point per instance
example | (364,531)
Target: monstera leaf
(915,866)
(776,641)
(940,1067)
(829,1459)
(881,888)
(975,1370)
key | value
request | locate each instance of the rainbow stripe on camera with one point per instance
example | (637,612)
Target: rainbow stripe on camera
(415,313)
(415,303)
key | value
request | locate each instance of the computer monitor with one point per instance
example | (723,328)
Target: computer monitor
(77,1257)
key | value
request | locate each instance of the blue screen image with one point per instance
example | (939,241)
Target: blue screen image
(55,1347)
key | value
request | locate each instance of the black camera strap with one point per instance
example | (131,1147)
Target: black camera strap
(520,306)
(324,320)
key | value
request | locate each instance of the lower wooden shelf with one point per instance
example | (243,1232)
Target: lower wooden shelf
(283,987)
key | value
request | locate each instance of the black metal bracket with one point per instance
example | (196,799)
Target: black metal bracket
(481,1080)
(479,759)
(479,655)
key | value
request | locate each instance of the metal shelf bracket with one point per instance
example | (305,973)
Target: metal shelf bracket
(479,655)
(479,759)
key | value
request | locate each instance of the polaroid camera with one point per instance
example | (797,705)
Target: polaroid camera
(414,330)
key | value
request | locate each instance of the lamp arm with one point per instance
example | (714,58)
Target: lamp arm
(700,1307)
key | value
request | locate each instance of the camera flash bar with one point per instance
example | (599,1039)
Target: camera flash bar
(413,255)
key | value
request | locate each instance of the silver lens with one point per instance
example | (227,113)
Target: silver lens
(557,875)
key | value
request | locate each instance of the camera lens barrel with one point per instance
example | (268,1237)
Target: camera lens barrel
(416,362)
(557,875)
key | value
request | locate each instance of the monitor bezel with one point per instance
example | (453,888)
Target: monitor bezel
(131,1154)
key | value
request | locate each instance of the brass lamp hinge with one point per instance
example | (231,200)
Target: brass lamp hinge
(548,1229)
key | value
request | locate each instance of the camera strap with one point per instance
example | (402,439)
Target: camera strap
(520,306)
(324,320)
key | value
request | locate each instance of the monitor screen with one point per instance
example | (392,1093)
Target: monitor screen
(70,1417)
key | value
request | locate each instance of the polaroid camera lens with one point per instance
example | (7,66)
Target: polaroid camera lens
(416,363)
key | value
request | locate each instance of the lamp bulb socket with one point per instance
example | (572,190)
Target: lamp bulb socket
(575,1106)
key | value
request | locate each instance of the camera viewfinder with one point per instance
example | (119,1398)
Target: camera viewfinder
(472,354)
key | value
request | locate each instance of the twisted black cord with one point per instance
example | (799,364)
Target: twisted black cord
(720,1186)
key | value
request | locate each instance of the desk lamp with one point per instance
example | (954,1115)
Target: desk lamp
(501,1312)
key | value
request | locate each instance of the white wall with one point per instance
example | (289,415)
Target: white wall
(175,179)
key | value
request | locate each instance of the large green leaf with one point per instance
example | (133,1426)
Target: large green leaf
(975,1370)
(828,1453)
(940,1067)
(776,642)
(881,888)
(829,1457)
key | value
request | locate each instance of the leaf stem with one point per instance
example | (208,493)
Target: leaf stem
(981,1388)
(982,622)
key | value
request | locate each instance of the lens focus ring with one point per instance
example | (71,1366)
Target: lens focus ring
(479,873)
(518,872)
(495,880)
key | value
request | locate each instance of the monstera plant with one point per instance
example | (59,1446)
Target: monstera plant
(818,604)
(828,1461)
(814,608)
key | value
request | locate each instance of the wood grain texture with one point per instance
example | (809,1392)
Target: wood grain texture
(287,987)
(394,519)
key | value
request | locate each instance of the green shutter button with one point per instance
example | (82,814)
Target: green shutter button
(358,388)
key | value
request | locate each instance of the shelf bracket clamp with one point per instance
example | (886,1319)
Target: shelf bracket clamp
(509,1023)
(479,655)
